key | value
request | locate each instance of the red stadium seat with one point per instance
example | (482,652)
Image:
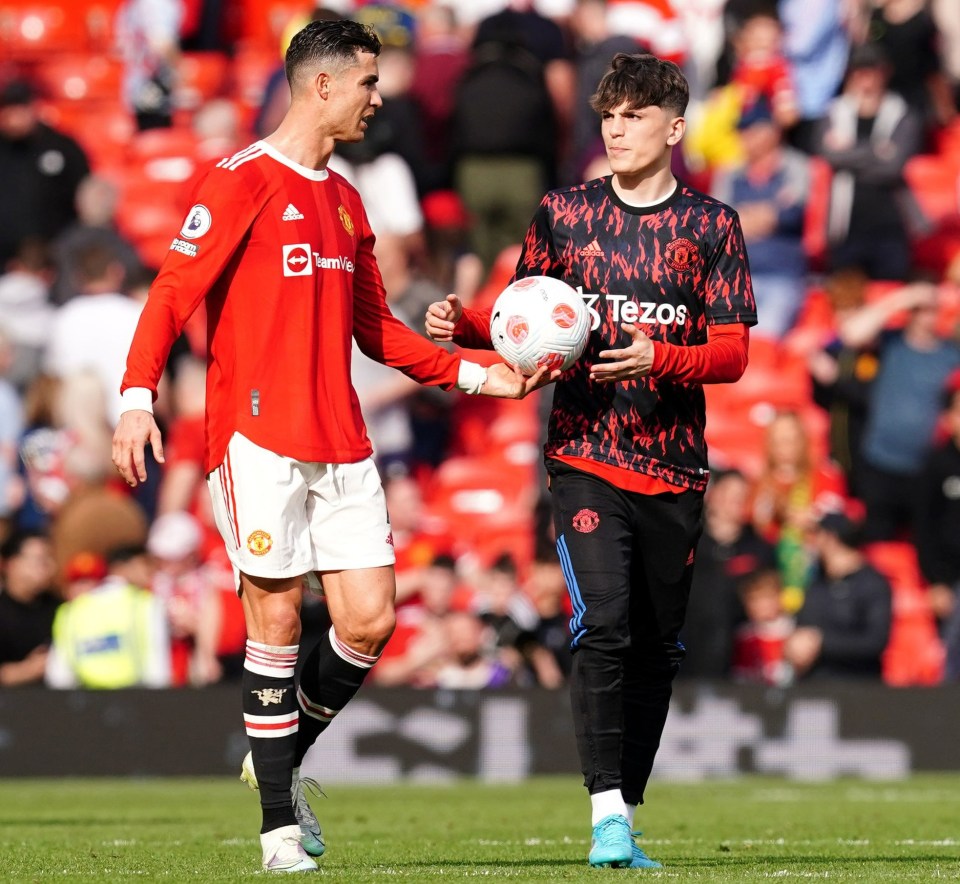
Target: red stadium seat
(935,182)
(816,213)
(200,77)
(165,155)
(914,654)
(83,78)
(103,130)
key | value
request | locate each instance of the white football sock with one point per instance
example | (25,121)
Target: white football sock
(604,804)
(631,811)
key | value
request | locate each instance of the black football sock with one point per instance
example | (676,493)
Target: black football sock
(271,718)
(331,675)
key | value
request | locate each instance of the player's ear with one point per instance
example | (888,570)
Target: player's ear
(322,83)
(678,125)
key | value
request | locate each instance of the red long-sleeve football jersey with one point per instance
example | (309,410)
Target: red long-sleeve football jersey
(282,256)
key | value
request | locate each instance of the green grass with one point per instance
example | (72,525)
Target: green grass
(747,830)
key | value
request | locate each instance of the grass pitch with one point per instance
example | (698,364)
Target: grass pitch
(741,831)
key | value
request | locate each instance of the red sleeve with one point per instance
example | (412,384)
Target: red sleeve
(473,329)
(223,210)
(722,360)
(384,338)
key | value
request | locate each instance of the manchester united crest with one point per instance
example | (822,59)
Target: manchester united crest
(586,521)
(259,543)
(682,254)
(346,220)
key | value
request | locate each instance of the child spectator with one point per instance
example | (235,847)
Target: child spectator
(759,641)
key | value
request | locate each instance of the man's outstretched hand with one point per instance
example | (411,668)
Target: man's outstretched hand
(506,382)
(442,318)
(135,429)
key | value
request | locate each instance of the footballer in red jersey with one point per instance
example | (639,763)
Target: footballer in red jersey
(664,273)
(280,252)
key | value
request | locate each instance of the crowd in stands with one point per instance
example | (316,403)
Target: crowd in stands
(831,544)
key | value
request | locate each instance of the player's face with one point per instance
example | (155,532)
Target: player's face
(357,97)
(638,139)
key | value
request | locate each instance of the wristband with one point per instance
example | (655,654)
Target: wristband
(137,399)
(471,377)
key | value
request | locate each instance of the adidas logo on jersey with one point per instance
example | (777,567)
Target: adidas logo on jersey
(592,250)
(292,213)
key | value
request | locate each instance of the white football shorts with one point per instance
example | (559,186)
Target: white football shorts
(282,518)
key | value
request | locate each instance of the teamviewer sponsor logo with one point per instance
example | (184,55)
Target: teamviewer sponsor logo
(297,260)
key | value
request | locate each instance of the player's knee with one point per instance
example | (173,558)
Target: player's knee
(282,627)
(370,635)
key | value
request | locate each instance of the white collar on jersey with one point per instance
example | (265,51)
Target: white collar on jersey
(312,174)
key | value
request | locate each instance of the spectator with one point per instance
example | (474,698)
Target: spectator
(440,57)
(769,191)
(25,311)
(470,662)
(729,551)
(816,44)
(906,32)
(417,648)
(759,70)
(27,607)
(844,624)
(795,488)
(190,596)
(510,615)
(94,331)
(505,125)
(594,45)
(759,641)
(114,635)
(95,228)
(40,170)
(868,134)
(547,590)
(905,401)
(842,378)
(148,39)
(11,429)
(938,527)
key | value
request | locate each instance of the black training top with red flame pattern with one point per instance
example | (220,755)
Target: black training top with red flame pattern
(673,269)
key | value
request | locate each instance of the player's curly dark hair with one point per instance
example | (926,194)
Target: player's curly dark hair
(642,80)
(329,42)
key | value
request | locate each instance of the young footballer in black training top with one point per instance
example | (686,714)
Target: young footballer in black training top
(664,272)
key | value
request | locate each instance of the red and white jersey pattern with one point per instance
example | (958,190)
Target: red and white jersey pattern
(282,256)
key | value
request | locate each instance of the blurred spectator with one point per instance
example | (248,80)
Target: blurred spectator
(594,45)
(440,57)
(449,263)
(547,589)
(905,401)
(652,23)
(868,134)
(844,624)
(842,378)
(148,39)
(505,125)
(182,483)
(759,640)
(27,607)
(759,70)
(946,14)
(94,330)
(39,411)
(190,597)
(40,170)
(794,489)
(418,645)
(11,429)
(769,191)
(908,35)
(728,551)
(95,228)
(512,619)
(816,44)
(25,311)
(82,573)
(469,661)
(114,635)
(938,526)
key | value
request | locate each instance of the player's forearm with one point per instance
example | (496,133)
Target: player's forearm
(473,330)
(160,324)
(722,360)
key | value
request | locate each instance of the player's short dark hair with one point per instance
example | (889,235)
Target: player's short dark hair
(642,80)
(329,42)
